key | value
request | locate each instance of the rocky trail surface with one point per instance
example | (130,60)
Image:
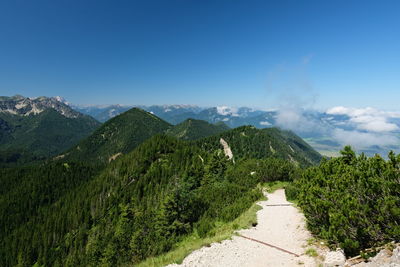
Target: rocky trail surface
(279,224)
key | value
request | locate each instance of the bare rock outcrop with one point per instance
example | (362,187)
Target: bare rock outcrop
(227,149)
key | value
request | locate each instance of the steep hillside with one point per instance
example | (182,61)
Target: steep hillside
(35,136)
(192,129)
(141,205)
(144,202)
(249,142)
(26,190)
(118,136)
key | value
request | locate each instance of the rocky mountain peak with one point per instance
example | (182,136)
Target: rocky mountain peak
(25,106)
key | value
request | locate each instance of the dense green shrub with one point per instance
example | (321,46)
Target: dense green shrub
(204,226)
(291,192)
(352,201)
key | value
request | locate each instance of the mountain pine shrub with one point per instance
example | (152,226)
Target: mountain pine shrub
(352,201)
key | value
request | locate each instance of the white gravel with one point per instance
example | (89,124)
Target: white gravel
(282,226)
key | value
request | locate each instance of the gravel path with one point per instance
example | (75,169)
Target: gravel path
(282,226)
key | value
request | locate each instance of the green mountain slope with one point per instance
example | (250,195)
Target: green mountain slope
(27,190)
(160,191)
(118,136)
(139,206)
(42,135)
(249,142)
(192,129)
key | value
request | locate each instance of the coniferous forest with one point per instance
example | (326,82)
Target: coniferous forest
(80,209)
(136,207)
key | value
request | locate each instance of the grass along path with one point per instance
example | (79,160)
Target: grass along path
(282,226)
(222,232)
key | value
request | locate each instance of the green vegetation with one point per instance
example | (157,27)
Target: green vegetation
(142,205)
(121,134)
(139,206)
(141,191)
(351,201)
(192,129)
(27,190)
(33,137)
(311,252)
(221,232)
(161,194)
(249,142)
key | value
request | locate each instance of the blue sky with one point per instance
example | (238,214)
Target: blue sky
(239,53)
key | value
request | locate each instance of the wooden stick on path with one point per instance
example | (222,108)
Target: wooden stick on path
(272,205)
(269,245)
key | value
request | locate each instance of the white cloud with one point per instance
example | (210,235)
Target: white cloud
(368,119)
(294,119)
(354,112)
(362,140)
(265,123)
(378,126)
(338,111)
(224,110)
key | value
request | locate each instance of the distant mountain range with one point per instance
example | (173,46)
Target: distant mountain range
(127,130)
(175,114)
(25,106)
(367,130)
(192,129)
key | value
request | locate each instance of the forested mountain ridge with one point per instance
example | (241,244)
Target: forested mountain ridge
(126,131)
(173,114)
(37,128)
(249,142)
(322,129)
(192,129)
(140,205)
(117,136)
